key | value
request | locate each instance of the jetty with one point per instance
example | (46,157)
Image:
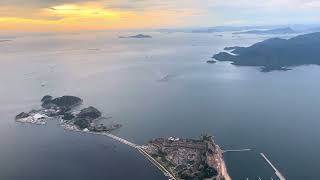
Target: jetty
(277,172)
(236,150)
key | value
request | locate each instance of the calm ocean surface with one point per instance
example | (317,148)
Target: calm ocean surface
(155,87)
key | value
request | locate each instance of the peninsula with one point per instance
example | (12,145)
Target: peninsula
(276,54)
(189,159)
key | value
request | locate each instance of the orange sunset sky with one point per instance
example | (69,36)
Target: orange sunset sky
(74,15)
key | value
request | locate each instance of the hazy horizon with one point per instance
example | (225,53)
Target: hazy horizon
(83,15)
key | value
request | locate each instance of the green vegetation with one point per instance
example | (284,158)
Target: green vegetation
(68,116)
(207,172)
(203,173)
(82,123)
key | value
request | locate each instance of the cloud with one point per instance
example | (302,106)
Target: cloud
(92,15)
(112,14)
(313,4)
(263,4)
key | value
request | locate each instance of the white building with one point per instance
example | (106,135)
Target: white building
(39,116)
(173,139)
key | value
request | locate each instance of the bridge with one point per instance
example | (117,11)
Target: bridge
(156,163)
(140,150)
(122,140)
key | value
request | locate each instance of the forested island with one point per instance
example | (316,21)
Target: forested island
(276,53)
(65,109)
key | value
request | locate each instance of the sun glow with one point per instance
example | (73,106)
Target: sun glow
(83,11)
(64,7)
(84,16)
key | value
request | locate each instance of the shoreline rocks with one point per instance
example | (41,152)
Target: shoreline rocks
(21,115)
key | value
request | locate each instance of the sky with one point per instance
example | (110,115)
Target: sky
(78,15)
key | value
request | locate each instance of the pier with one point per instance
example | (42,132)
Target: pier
(236,150)
(278,174)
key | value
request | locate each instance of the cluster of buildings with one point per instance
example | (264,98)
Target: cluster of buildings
(187,157)
(70,127)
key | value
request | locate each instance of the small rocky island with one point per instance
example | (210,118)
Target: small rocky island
(138,36)
(189,159)
(211,61)
(66,109)
(276,54)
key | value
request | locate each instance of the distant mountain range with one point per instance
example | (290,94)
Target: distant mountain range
(226,29)
(316,29)
(267,29)
(5,40)
(216,29)
(276,53)
(286,30)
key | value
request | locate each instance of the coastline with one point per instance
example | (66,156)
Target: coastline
(223,167)
(224,171)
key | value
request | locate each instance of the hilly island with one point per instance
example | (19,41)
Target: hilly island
(276,53)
